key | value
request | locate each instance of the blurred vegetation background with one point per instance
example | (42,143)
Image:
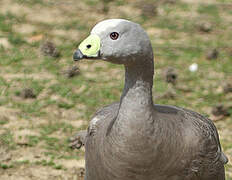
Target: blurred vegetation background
(45,97)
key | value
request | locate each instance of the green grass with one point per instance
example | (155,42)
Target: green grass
(7,139)
(209,10)
(32,2)
(49,163)
(4,121)
(60,102)
(5,166)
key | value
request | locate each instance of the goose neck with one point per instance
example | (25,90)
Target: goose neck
(137,93)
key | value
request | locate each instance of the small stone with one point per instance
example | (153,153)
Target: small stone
(72,71)
(81,172)
(149,9)
(27,93)
(205,27)
(170,75)
(212,54)
(49,49)
(193,67)
(227,87)
(220,110)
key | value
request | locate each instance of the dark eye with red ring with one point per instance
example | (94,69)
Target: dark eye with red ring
(114,35)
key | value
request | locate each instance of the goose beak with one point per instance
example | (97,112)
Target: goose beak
(88,49)
(78,55)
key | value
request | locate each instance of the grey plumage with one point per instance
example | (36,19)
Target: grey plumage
(137,140)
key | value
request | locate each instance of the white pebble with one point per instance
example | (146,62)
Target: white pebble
(193,67)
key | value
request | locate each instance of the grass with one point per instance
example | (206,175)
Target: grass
(7,139)
(45,123)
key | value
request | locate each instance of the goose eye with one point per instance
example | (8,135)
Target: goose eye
(114,35)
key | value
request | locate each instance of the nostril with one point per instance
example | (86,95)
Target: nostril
(88,46)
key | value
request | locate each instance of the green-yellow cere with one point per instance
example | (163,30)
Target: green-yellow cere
(94,42)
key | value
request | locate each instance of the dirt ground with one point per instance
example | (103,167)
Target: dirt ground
(34,132)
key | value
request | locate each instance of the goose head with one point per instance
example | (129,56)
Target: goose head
(118,41)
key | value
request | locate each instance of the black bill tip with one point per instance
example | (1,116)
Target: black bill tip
(78,55)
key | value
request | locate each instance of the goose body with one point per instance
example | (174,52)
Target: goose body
(190,153)
(136,139)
